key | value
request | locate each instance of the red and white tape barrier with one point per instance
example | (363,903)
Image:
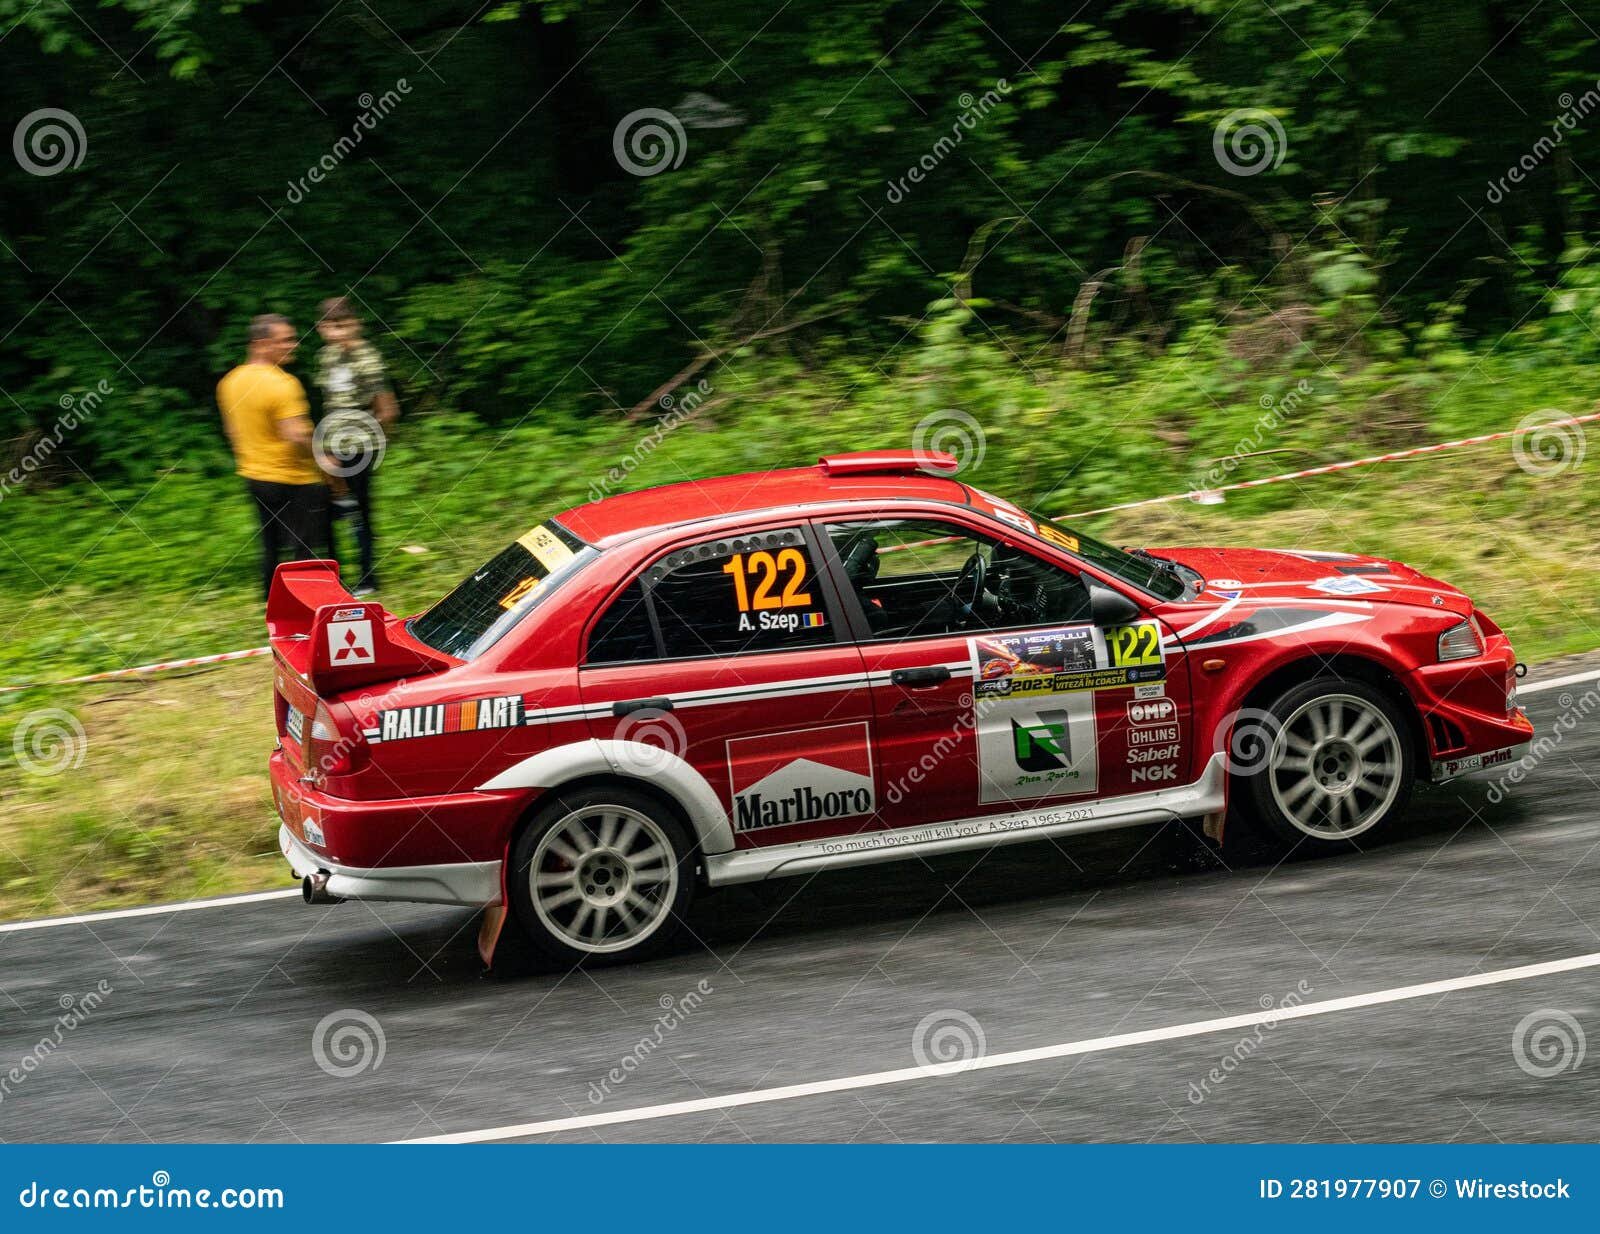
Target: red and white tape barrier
(1326,469)
(142,669)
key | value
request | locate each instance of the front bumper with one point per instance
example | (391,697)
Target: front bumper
(1468,712)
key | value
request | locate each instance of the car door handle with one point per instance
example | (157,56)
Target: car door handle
(641,704)
(915,678)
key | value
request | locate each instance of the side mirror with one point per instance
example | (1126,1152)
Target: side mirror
(1110,608)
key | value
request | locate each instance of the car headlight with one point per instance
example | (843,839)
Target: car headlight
(1460,642)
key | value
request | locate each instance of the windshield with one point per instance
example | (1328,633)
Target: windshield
(474,616)
(1155,575)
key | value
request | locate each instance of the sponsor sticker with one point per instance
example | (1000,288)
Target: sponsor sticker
(349,614)
(802,776)
(548,549)
(461,716)
(1164,773)
(313,833)
(350,642)
(1153,711)
(1231,593)
(1158,690)
(1346,585)
(1476,762)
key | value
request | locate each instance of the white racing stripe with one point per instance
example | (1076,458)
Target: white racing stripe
(1014,1058)
(153,910)
(255,897)
(1556,682)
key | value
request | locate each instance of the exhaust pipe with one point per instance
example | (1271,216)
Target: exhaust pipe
(314,889)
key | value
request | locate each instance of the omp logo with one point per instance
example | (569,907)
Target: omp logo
(1044,744)
(806,776)
(1152,711)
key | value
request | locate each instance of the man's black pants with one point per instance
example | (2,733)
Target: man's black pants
(293,517)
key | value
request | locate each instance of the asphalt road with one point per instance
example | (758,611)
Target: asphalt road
(207,1024)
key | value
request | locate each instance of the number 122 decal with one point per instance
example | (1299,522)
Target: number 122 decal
(764,569)
(1134,646)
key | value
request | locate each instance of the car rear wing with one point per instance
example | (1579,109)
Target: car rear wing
(332,640)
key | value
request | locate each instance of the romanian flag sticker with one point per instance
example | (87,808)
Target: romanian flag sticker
(816,619)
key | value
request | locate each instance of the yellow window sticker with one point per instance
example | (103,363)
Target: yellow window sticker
(547,548)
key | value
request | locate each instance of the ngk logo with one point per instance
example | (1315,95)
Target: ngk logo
(1152,711)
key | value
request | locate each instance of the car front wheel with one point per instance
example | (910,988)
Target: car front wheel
(601,875)
(1336,763)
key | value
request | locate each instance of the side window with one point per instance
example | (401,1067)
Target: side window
(624,632)
(920,578)
(745,593)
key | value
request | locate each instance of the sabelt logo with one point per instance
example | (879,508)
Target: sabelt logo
(809,776)
(1152,711)
(1155,754)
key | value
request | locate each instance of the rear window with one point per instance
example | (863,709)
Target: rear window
(474,616)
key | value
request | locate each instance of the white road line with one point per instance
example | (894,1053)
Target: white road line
(1015,1058)
(1554,682)
(153,910)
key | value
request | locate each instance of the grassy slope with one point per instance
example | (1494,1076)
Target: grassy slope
(170,799)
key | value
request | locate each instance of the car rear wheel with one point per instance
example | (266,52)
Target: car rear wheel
(1336,764)
(602,875)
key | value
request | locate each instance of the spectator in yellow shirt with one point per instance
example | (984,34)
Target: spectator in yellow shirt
(268,422)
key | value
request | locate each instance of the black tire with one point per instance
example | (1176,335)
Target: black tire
(612,831)
(1329,793)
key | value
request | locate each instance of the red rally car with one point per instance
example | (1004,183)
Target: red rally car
(863,661)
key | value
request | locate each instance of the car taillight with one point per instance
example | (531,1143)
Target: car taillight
(328,752)
(1460,642)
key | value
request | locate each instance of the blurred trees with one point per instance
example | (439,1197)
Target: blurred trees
(825,172)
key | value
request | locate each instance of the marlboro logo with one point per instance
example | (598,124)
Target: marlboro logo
(809,776)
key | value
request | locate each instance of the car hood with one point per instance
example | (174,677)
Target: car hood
(1306,574)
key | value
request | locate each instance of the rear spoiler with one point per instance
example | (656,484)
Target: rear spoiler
(334,641)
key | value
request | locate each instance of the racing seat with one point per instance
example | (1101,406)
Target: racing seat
(859,557)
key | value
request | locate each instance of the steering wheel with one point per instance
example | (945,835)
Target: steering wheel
(970,583)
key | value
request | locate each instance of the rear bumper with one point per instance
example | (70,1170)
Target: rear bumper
(473,884)
(433,850)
